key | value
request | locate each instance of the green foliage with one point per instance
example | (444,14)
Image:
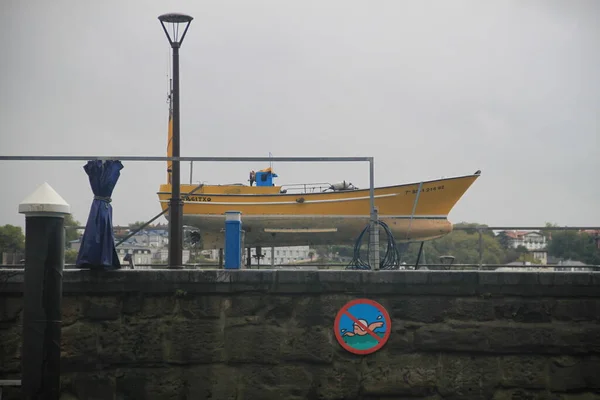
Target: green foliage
(71,233)
(521,249)
(526,257)
(134,225)
(12,239)
(504,240)
(70,256)
(197,258)
(463,245)
(577,246)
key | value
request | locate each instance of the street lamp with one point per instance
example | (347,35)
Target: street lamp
(176,23)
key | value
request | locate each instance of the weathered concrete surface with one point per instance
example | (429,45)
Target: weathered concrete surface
(269,335)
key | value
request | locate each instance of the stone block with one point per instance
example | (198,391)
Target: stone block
(522,394)
(241,306)
(212,381)
(154,306)
(250,281)
(566,374)
(10,308)
(10,349)
(311,344)
(71,309)
(523,371)
(79,347)
(470,308)
(189,341)
(151,383)
(132,303)
(67,396)
(524,310)
(555,338)
(342,279)
(418,308)
(278,310)
(259,344)
(195,306)
(101,308)
(401,339)
(467,377)
(98,385)
(410,375)
(319,310)
(341,380)
(580,396)
(577,310)
(443,337)
(574,373)
(267,382)
(520,279)
(133,341)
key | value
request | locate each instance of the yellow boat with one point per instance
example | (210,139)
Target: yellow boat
(273,218)
(315,214)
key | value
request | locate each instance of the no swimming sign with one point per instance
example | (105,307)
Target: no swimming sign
(362,326)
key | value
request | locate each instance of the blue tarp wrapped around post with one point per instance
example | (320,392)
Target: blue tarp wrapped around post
(97,248)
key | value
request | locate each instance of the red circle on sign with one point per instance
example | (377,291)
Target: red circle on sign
(344,311)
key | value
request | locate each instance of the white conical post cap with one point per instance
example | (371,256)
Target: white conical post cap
(44,201)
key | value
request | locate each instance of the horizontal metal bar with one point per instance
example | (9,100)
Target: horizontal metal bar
(206,159)
(459,228)
(126,266)
(528,228)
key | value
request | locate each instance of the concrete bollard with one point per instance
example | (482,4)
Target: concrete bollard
(44,211)
(233,240)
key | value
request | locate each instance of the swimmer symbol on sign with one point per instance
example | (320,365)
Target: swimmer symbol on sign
(362,326)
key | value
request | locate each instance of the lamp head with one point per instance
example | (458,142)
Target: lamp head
(177,23)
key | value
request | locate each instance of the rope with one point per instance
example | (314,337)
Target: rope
(391,259)
(102,198)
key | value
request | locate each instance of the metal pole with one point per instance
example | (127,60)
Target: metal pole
(272,257)
(480,248)
(419,255)
(176,203)
(374,223)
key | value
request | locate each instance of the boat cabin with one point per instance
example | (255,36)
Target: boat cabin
(264,177)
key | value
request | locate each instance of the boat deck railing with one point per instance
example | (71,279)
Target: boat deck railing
(306,187)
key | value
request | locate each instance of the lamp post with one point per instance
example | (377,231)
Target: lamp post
(176,23)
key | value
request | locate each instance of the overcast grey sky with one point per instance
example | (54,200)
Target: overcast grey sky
(429,88)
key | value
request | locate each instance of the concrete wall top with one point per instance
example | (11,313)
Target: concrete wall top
(450,283)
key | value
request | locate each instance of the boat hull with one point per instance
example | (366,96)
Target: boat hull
(277,231)
(413,212)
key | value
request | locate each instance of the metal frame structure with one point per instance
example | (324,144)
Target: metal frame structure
(374,226)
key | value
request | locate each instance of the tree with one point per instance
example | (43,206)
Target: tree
(521,249)
(12,239)
(576,246)
(504,240)
(462,244)
(135,225)
(70,256)
(71,232)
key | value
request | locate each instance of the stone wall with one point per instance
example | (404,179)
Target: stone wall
(269,335)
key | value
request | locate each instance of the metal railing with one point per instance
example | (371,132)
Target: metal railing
(370,160)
